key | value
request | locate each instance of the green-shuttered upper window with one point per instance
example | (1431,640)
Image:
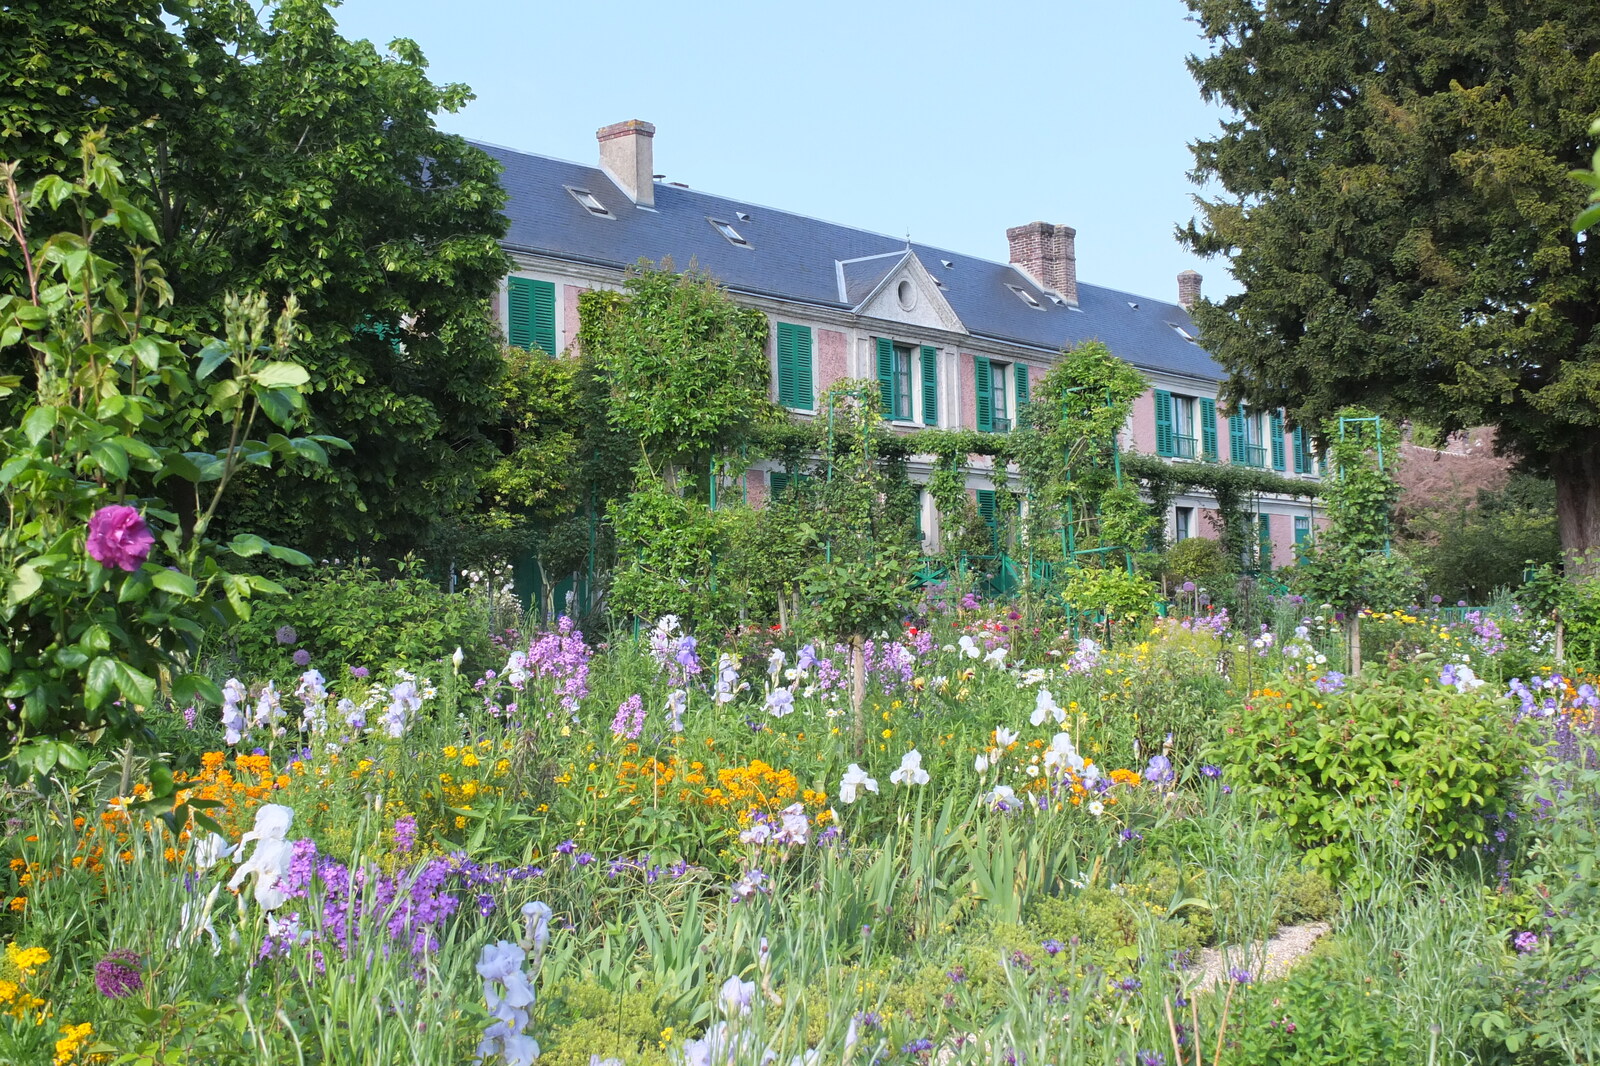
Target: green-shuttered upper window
(795,387)
(531,314)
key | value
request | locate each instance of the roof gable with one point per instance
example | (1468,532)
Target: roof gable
(909,294)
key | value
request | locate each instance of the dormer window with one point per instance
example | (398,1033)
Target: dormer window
(1026,297)
(727,230)
(588,202)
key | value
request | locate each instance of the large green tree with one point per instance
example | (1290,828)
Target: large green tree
(1398,205)
(279,156)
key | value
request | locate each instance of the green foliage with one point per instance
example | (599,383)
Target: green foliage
(536,475)
(1468,552)
(582,1019)
(1350,564)
(276,155)
(1067,455)
(352,615)
(666,547)
(1317,1016)
(1111,589)
(1201,560)
(88,647)
(1553,1001)
(1326,765)
(686,367)
(1396,200)
(1111,924)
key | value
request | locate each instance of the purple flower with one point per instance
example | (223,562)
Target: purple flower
(567,847)
(1239,976)
(629,721)
(1330,682)
(287,635)
(405,834)
(585,858)
(1152,1058)
(1188,586)
(1129,984)
(302,657)
(1159,770)
(1525,941)
(117,974)
(1053,947)
(358,671)
(118,537)
(1209,770)
(189,713)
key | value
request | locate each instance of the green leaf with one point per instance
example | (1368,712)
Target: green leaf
(289,555)
(37,424)
(179,584)
(246,545)
(111,458)
(27,581)
(277,375)
(213,355)
(136,219)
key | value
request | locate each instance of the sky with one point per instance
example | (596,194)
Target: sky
(946,121)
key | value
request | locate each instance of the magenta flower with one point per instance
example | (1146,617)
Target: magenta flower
(117,974)
(118,537)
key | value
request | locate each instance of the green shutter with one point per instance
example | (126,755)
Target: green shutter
(779,481)
(1265,522)
(1208,429)
(1302,529)
(1164,442)
(1276,430)
(886,375)
(1236,439)
(930,386)
(786,389)
(531,317)
(794,366)
(1299,446)
(986,507)
(804,385)
(1021,370)
(983,394)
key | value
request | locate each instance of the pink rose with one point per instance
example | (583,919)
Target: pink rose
(118,537)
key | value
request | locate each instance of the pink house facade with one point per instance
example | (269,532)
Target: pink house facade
(954,340)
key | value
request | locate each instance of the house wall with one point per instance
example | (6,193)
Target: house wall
(567,328)
(832,354)
(1142,422)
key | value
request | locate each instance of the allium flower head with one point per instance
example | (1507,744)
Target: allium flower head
(287,635)
(119,538)
(116,975)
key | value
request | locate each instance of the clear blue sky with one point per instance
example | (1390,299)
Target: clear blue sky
(946,120)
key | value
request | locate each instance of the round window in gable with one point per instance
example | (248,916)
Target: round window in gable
(906,293)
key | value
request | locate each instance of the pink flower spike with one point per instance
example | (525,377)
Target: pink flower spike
(118,537)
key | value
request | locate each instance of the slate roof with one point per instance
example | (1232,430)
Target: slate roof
(793,257)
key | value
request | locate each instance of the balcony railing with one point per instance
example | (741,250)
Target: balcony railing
(1185,447)
(1001,425)
(1254,455)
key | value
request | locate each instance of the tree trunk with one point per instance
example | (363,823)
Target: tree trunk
(858,687)
(1577,477)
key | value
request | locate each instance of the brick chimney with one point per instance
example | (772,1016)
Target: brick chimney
(1188,289)
(1048,254)
(627,158)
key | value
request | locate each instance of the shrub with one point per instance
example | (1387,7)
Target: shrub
(1318,1015)
(352,615)
(1201,560)
(1325,763)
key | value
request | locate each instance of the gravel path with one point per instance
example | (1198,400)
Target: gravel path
(1264,962)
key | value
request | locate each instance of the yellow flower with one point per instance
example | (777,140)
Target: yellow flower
(469,759)
(450,751)
(72,1038)
(887,733)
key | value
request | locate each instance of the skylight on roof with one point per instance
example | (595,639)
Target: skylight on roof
(588,202)
(1026,297)
(1185,334)
(727,230)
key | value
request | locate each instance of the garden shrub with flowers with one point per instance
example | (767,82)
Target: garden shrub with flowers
(671,849)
